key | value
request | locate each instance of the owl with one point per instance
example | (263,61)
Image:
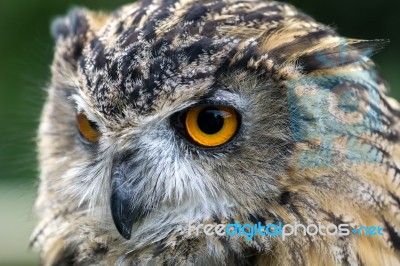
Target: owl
(165,115)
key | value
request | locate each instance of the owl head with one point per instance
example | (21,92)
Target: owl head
(168,113)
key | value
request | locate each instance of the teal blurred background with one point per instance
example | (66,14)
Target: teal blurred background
(26,53)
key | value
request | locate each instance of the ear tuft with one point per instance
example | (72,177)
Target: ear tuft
(345,52)
(71,33)
(370,47)
(74,24)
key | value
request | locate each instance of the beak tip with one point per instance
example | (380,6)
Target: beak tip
(123,224)
(125,233)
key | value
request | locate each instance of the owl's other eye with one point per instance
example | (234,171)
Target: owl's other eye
(88,129)
(210,125)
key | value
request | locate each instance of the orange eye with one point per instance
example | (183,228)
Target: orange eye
(211,126)
(87,128)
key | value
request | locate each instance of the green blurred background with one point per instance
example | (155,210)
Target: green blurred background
(26,52)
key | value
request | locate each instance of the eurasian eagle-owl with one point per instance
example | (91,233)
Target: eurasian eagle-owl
(170,113)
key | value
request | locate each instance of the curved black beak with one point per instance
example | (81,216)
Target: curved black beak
(125,211)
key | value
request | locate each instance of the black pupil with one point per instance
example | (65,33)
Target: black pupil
(93,125)
(210,120)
